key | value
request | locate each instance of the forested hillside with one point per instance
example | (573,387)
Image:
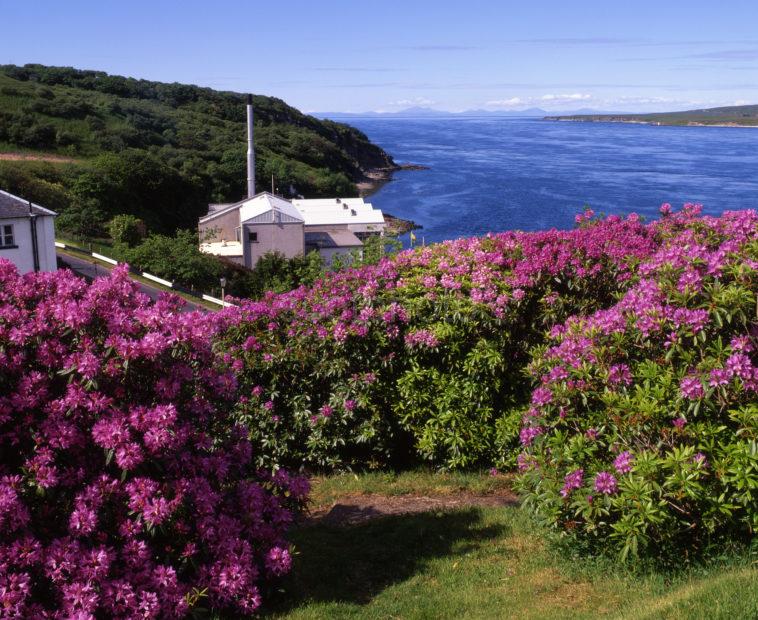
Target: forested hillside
(160,151)
(738,115)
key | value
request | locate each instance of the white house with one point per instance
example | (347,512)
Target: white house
(261,223)
(353,214)
(246,230)
(27,234)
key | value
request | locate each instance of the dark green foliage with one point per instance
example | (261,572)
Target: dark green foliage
(127,229)
(180,146)
(274,272)
(84,219)
(177,259)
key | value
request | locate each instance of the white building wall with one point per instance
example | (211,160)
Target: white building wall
(22,255)
(46,241)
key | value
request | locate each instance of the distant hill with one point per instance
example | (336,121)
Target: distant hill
(74,139)
(420,112)
(737,116)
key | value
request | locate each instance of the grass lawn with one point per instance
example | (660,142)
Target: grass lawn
(477,562)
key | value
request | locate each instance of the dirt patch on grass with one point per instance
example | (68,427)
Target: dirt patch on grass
(60,159)
(355,509)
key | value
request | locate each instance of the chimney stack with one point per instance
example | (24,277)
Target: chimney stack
(250,149)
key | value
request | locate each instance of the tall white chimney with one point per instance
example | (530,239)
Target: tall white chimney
(250,149)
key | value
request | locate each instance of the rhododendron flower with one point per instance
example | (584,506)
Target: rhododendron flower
(278,561)
(605,483)
(717,377)
(691,387)
(121,411)
(571,481)
(623,462)
(528,434)
(665,209)
(619,374)
(679,423)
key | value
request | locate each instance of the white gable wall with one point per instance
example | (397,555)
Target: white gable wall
(22,255)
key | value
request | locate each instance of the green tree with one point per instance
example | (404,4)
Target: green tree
(82,219)
(177,259)
(127,229)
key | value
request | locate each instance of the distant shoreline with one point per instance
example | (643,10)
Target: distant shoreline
(631,121)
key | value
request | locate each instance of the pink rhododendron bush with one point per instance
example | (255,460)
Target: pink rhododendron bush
(642,433)
(420,358)
(126,490)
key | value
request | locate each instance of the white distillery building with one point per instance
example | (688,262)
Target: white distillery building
(261,223)
(245,231)
(27,234)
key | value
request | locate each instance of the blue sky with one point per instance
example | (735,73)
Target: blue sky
(335,55)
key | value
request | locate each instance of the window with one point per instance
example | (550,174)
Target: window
(252,237)
(6,236)
(238,234)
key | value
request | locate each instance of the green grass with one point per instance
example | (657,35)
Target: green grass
(327,489)
(480,563)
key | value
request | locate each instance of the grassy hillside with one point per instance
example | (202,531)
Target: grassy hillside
(741,115)
(161,151)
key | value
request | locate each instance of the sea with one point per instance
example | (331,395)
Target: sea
(496,174)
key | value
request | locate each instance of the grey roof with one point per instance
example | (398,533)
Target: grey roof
(12,206)
(332,239)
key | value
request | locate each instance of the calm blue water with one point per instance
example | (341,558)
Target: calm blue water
(499,174)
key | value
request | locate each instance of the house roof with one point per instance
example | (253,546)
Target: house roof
(13,206)
(264,203)
(256,206)
(339,238)
(321,211)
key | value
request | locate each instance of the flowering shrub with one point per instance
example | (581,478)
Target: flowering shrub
(421,356)
(125,489)
(643,430)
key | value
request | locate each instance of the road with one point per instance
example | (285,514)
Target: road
(90,270)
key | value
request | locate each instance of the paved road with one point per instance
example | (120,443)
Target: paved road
(85,268)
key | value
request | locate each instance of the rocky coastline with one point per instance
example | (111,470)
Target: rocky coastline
(373,180)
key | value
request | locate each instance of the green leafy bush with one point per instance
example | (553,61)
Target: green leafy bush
(127,229)
(643,433)
(421,356)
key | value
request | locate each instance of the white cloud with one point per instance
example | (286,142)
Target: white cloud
(506,103)
(569,97)
(417,101)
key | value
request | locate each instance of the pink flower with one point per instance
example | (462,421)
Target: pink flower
(571,481)
(605,483)
(691,387)
(623,462)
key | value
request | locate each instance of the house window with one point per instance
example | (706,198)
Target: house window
(238,234)
(6,236)
(252,237)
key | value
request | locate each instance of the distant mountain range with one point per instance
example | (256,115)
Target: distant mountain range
(419,112)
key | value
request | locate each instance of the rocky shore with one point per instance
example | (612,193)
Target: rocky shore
(373,181)
(374,178)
